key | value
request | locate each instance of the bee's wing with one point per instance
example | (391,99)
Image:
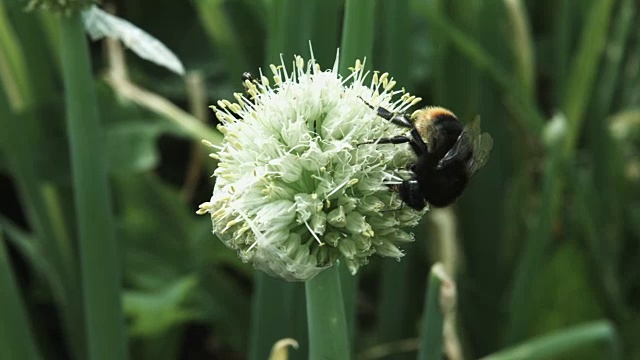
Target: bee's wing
(482,146)
(470,140)
(463,145)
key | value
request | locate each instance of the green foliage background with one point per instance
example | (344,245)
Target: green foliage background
(543,245)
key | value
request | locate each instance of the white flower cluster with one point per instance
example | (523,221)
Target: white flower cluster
(296,187)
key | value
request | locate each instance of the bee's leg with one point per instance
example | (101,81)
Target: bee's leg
(417,144)
(398,119)
(411,194)
(392,140)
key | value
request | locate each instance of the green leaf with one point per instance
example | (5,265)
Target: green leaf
(16,337)
(484,61)
(562,342)
(582,73)
(573,299)
(31,250)
(154,313)
(155,228)
(521,45)
(104,321)
(221,31)
(132,146)
(224,305)
(357,34)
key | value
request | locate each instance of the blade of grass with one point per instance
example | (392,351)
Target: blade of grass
(432,329)
(533,119)
(30,250)
(16,337)
(276,304)
(328,336)
(481,209)
(220,30)
(35,57)
(614,55)
(593,224)
(356,43)
(100,264)
(326,30)
(599,135)
(605,207)
(12,65)
(20,143)
(630,92)
(538,238)
(394,55)
(579,85)
(290,28)
(357,34)
(562,35)
(51,30)
(395,58)
(393,324)
(562,342)
(522,46)
(582,73)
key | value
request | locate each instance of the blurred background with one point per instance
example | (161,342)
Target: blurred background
(546,237)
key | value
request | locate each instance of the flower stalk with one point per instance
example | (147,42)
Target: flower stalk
(328,337)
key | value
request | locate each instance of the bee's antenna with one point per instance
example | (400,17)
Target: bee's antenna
(367,103)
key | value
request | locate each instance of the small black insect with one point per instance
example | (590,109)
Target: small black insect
(448,154)
(246,76)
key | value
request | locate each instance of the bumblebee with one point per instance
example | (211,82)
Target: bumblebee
(448,154)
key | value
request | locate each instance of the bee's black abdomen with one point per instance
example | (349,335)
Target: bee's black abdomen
(411,194)
(442,187)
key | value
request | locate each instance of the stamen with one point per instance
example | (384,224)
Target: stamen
(313,233)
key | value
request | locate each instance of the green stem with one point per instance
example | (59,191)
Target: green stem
(100,270)
(328,337)
(272,318)
(433,322)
